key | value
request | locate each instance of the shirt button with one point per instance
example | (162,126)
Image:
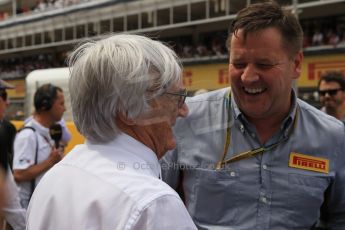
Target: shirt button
(264,199)
(232,174)
(264,167)
(253,135)
(242,128)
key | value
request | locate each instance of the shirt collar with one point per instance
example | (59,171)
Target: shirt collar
(141,157)
(39,128)
(287,122)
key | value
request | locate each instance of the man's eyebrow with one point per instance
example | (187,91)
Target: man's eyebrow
(267,59)
(238,58)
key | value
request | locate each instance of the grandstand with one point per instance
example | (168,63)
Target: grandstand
(36,34)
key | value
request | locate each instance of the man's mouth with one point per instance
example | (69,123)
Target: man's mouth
(254,91)
(329,102)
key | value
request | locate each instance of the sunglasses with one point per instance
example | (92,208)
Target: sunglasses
(330,92)
(3,95)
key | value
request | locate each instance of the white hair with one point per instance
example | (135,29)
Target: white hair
(117,74)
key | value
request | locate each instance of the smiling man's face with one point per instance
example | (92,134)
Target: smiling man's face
(261,73)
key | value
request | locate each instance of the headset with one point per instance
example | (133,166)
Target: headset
(44,97)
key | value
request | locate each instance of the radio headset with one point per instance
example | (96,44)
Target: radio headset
(44,97)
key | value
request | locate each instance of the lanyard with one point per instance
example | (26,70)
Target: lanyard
(252,152)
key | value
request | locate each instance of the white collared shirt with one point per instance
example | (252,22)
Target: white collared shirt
(107,186)
(24,154)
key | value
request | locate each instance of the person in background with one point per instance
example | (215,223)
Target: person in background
(256,156)
(34,150)
(9,130)
(331,88)
(126,93)
(12,211)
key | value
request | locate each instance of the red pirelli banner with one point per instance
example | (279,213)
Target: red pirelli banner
(314,66)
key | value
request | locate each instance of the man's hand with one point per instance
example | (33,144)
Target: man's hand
(55,156)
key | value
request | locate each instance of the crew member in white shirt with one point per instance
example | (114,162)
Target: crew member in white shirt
(126,94)
(34,150)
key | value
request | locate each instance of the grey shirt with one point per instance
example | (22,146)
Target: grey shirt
(263,191)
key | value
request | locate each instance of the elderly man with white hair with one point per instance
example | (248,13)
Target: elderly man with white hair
(126,94)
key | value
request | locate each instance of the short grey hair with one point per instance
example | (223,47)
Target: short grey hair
(120,73)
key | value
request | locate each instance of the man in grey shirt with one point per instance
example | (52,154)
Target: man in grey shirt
(255,156)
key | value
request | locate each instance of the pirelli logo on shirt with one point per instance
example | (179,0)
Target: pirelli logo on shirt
(306,162)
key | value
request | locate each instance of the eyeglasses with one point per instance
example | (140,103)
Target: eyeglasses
(330,92)
(3,95)
(182,97)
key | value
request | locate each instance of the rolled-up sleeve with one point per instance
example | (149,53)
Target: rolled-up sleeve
(24,149)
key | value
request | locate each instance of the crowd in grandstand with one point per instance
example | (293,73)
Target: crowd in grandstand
(20,67)
(209,45)
(42,5)
(185,48)
(327,33)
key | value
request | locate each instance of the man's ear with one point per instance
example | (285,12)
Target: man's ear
(298,59)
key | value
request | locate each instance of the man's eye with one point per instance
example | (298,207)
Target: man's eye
(265,65)
(239,65)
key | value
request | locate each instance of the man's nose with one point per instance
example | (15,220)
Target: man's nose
(183,111)
(249,74)
(327,94)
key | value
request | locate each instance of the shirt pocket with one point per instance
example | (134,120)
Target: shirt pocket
(214,196)
(306,198)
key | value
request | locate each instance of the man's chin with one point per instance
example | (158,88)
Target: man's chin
(330,107)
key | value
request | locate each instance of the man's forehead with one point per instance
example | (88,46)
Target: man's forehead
(329,83)
(59,94)
(261,54)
